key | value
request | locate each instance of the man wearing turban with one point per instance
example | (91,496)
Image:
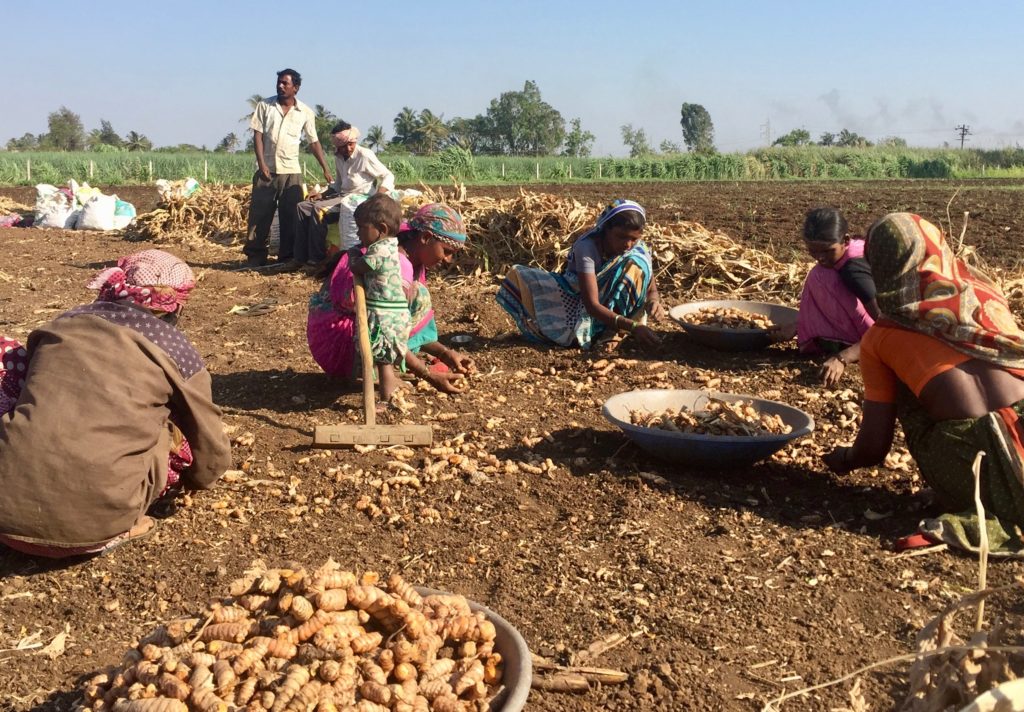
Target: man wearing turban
(359,174)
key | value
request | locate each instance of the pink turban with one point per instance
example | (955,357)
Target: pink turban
(153,279)
(349,134)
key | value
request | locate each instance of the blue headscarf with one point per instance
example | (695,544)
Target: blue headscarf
(620,205)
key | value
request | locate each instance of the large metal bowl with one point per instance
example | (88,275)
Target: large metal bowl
(515,655)
(733,339)
(710,451)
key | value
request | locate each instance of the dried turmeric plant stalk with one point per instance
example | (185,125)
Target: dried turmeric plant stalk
(216,213)
(952,679)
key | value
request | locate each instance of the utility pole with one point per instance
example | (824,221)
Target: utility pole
(766,130)
(964,132)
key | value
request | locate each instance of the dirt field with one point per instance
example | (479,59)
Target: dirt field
(732,586)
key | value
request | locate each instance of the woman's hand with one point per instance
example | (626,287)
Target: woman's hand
(832,371)
(646,336)
(838,460)
(457,361)
(656,310)
(445,382)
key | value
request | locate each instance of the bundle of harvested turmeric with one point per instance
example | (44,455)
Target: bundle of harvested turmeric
(728,318)
(290,641)
(719,418)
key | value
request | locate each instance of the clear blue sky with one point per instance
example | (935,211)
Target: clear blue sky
(181,71)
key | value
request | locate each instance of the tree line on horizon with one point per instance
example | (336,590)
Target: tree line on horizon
(516,123)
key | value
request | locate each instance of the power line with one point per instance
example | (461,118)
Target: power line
(766,130)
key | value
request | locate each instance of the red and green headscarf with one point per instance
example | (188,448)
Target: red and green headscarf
(923,286)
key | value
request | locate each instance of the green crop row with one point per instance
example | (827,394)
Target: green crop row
(809,162)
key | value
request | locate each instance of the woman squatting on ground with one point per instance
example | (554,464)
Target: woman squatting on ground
(105,408)
(946,359)
(432,237)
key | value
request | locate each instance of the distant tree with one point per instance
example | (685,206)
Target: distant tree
(253,101)
(405,125)
(375,138)
(103,136)
(325,121)
(796,137)
(521,123)
(424,132)
(636,141)
(851,139)
(66,131)
(135,141)
(698,130)
(472,135)
(27,142)
(827,139)
(670,147)
(431,132)
(893,142)
(177,148)
(578,142)
(227,144)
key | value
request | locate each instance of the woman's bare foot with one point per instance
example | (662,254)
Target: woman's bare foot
(142,527)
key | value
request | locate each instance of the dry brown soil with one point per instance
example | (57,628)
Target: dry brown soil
(733,586)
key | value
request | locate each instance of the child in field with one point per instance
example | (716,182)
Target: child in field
(377,223)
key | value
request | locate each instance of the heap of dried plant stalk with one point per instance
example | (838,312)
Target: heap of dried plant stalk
(9,206)
(217,213)
(538,229)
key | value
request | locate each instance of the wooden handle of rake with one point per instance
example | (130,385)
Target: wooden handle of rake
(364,352)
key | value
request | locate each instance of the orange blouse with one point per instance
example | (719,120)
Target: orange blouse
(889,355)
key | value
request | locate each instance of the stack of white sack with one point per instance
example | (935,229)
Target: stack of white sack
(80,207)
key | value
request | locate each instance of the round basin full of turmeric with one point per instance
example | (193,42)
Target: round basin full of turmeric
(732,324)
(706,429)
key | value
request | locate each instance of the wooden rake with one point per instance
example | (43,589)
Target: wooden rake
(369,433)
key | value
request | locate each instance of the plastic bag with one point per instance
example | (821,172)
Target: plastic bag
(53,208)
(98,213)
(347,236)
(168,189)
(83,193)
(124,213)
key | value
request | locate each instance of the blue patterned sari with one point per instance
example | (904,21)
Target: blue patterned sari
(547,308)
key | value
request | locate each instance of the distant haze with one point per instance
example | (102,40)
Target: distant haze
(181,72)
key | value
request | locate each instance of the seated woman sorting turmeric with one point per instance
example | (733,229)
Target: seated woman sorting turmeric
(837,304)
(607,286)
(947,360)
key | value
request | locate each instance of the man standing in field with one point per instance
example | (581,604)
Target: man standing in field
(359,173)
(278,125)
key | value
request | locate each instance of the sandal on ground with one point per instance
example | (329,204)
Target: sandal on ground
(258,309)
(915,541)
